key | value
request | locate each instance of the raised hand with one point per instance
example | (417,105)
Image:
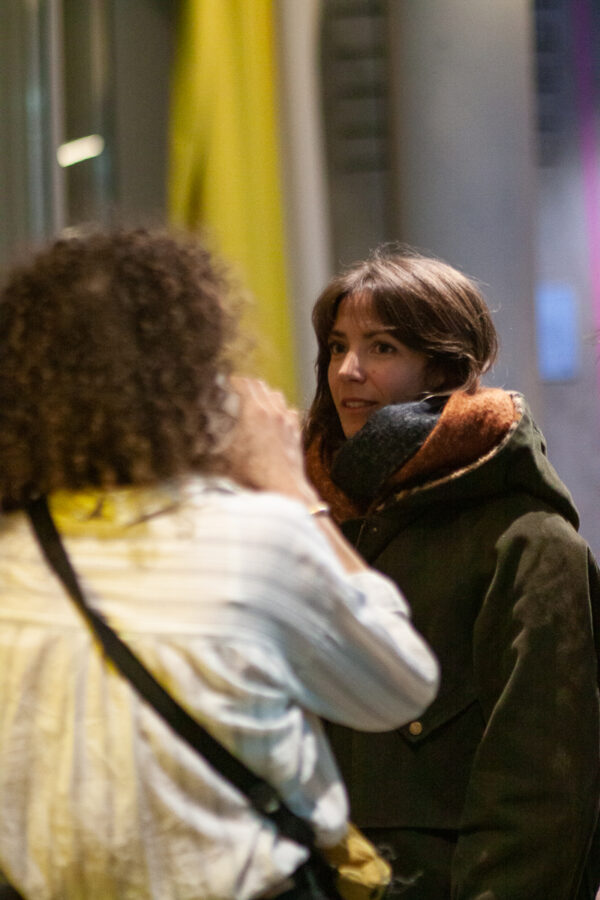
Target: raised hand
(265,449)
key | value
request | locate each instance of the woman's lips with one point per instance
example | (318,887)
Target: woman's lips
(355,403)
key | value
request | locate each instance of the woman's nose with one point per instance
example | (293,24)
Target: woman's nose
(351,368)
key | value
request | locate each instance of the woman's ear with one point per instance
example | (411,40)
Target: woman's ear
(435,376)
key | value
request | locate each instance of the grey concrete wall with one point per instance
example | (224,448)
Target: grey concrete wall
(463,161)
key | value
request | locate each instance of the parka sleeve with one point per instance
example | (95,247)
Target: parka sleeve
(533,794)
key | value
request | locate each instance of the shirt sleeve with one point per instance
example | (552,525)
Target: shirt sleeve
(533,792)
(354,655)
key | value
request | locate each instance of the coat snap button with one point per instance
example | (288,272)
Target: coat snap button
(415,728)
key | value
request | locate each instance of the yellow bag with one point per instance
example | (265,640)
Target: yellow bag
(362,874)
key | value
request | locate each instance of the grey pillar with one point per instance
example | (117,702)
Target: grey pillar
(463,162)
(305,181)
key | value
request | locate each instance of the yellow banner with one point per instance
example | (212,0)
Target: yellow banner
(224,165)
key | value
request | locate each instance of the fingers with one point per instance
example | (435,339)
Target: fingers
(266,452)
(262,395)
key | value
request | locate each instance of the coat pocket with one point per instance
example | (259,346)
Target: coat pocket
(443,710)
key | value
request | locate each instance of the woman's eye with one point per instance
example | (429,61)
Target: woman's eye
(336,347)
(383,347)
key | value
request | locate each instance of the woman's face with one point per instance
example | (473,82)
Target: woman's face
(369,368)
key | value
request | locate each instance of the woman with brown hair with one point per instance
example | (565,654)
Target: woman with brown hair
(444,486)
(182,502)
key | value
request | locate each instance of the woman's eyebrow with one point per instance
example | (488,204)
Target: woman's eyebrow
(383,329)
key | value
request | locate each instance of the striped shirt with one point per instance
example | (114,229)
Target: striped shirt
(237,604)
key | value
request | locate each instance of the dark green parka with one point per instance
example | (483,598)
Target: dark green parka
(493,794)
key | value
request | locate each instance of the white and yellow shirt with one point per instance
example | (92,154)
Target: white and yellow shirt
(236,603)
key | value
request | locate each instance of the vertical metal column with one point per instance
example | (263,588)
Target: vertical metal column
(32,195)
(463,160)
(307,206)
(34,136)
(56,90)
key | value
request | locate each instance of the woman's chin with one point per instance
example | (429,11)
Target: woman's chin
(350,428)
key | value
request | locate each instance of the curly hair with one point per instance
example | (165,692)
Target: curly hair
(431,307)
(111,348)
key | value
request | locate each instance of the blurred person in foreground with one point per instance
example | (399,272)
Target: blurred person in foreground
(181,498)
(444,485)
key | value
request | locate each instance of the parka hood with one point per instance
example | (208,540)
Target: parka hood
(517,462)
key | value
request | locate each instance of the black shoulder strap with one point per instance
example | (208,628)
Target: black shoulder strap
(261,795)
